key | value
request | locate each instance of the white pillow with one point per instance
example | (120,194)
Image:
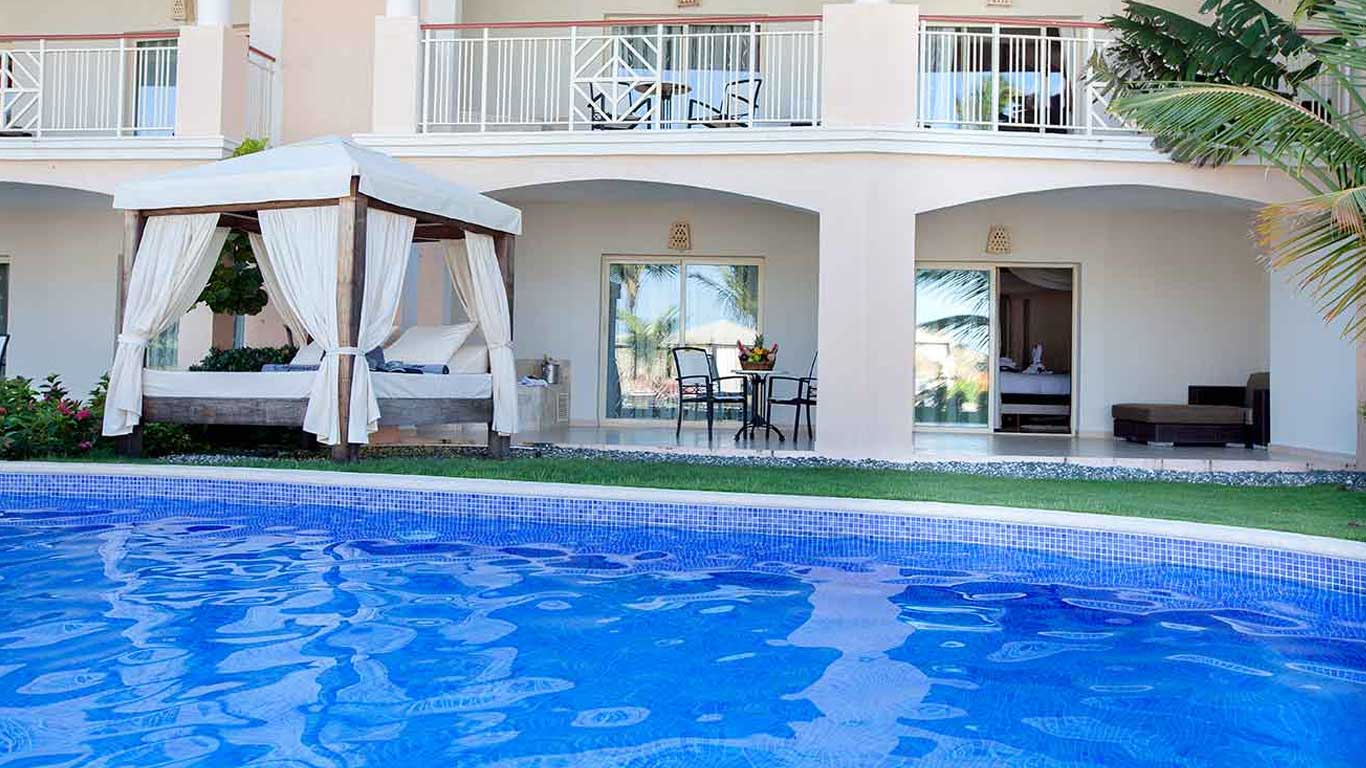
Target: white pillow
(428,344)
(471,358)
(311,354)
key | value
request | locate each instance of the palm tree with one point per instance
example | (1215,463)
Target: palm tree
(1251,84)
(968,288)
(736,290)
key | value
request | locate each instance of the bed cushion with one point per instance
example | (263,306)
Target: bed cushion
(471,358)
(428,344)
(1179,414)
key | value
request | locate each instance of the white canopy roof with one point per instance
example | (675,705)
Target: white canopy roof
(315,170)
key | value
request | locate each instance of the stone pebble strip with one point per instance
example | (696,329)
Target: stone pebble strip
(1034,470)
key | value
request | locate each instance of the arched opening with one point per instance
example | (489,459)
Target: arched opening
(612,275)
(1164,291)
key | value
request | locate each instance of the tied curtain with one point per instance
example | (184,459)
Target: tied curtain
(479,287)
(388,240)
(173,263)
(300,244)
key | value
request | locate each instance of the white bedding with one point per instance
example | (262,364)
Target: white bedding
(288,385)
(1013,383)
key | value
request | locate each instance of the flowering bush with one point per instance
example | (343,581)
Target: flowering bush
(45,421)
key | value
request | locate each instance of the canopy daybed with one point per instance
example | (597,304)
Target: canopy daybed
(331,224)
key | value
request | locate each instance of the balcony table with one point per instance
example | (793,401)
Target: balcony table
(668,89)
(758,392)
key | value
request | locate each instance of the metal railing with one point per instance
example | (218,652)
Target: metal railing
(1023,75)
(88,85)
(622,74)
(260,118)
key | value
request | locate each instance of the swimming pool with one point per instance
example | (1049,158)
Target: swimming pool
(169,621)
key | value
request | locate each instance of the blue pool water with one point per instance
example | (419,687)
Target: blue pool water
(148,632)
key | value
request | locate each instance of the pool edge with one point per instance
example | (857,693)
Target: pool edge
(1212,533)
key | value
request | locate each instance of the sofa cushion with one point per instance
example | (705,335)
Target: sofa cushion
(1179,414)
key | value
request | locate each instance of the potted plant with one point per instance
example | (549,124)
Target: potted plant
(756,356)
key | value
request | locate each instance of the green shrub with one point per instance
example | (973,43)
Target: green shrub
(45,421)
(244,359)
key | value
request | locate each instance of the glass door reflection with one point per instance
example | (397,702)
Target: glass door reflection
(953,347)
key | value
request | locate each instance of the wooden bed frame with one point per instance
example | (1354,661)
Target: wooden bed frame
(404,412)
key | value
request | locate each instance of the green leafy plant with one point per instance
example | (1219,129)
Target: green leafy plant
(236,287)
(44,421)
(1249,83)
(244,359)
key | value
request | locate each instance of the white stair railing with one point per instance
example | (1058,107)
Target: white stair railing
(260,119)
(622,74)
(88,85)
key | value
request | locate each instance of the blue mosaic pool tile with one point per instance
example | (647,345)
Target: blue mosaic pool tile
(1338,574)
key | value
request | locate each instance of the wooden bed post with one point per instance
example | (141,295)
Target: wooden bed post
(128,446)
(353,210)
(504,245)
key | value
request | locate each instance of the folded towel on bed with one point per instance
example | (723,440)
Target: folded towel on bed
(287,367)
(398,366)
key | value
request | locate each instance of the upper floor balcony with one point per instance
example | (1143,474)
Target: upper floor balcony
(192,87)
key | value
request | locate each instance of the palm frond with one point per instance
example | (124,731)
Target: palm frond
(968,330)
(1212,124)
(1323,240)
(1345,21)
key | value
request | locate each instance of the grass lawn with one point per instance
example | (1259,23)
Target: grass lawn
(1322,510)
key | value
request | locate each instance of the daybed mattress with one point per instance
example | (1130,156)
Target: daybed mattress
(1013,383)
(294,385)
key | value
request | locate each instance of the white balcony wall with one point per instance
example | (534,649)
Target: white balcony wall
(1313,375)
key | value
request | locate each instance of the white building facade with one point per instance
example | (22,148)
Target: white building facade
(697,176)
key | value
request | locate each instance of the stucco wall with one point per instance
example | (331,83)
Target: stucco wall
(1168,298)
(1313,376)
(327,59)
(559,274)
(62,289)
(30,17)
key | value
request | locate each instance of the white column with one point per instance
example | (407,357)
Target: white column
(866,325)
(215,13)
(870,54)
(398,71)
(402,8)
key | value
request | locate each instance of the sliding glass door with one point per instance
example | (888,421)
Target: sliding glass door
(652,305)
(953,347)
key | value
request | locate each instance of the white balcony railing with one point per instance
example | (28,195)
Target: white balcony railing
(260,118)
(1019,76)
(88,85)
(622,74)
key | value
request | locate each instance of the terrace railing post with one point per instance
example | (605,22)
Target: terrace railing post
(121,84)
(659,76)
(1086,81)
(816,44)
(484,84)
(42,88)
(753,52)
(425,83)
(995,105)
(573,71)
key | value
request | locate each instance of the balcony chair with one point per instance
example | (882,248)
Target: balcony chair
(803,396)
(602,119)
(739,103)
(695,373)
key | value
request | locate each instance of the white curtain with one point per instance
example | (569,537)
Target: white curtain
(174,260)
(487,298)
(302,244)
(272,285)
(458,264)
(388,239)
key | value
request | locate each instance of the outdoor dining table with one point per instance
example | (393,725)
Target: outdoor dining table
(758,398)
(668,89)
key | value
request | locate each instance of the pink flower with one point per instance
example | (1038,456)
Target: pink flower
(4,411)
(84,445)
(63,408)
(82,414)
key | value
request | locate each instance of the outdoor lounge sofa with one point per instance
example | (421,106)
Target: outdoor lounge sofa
(1211,416)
